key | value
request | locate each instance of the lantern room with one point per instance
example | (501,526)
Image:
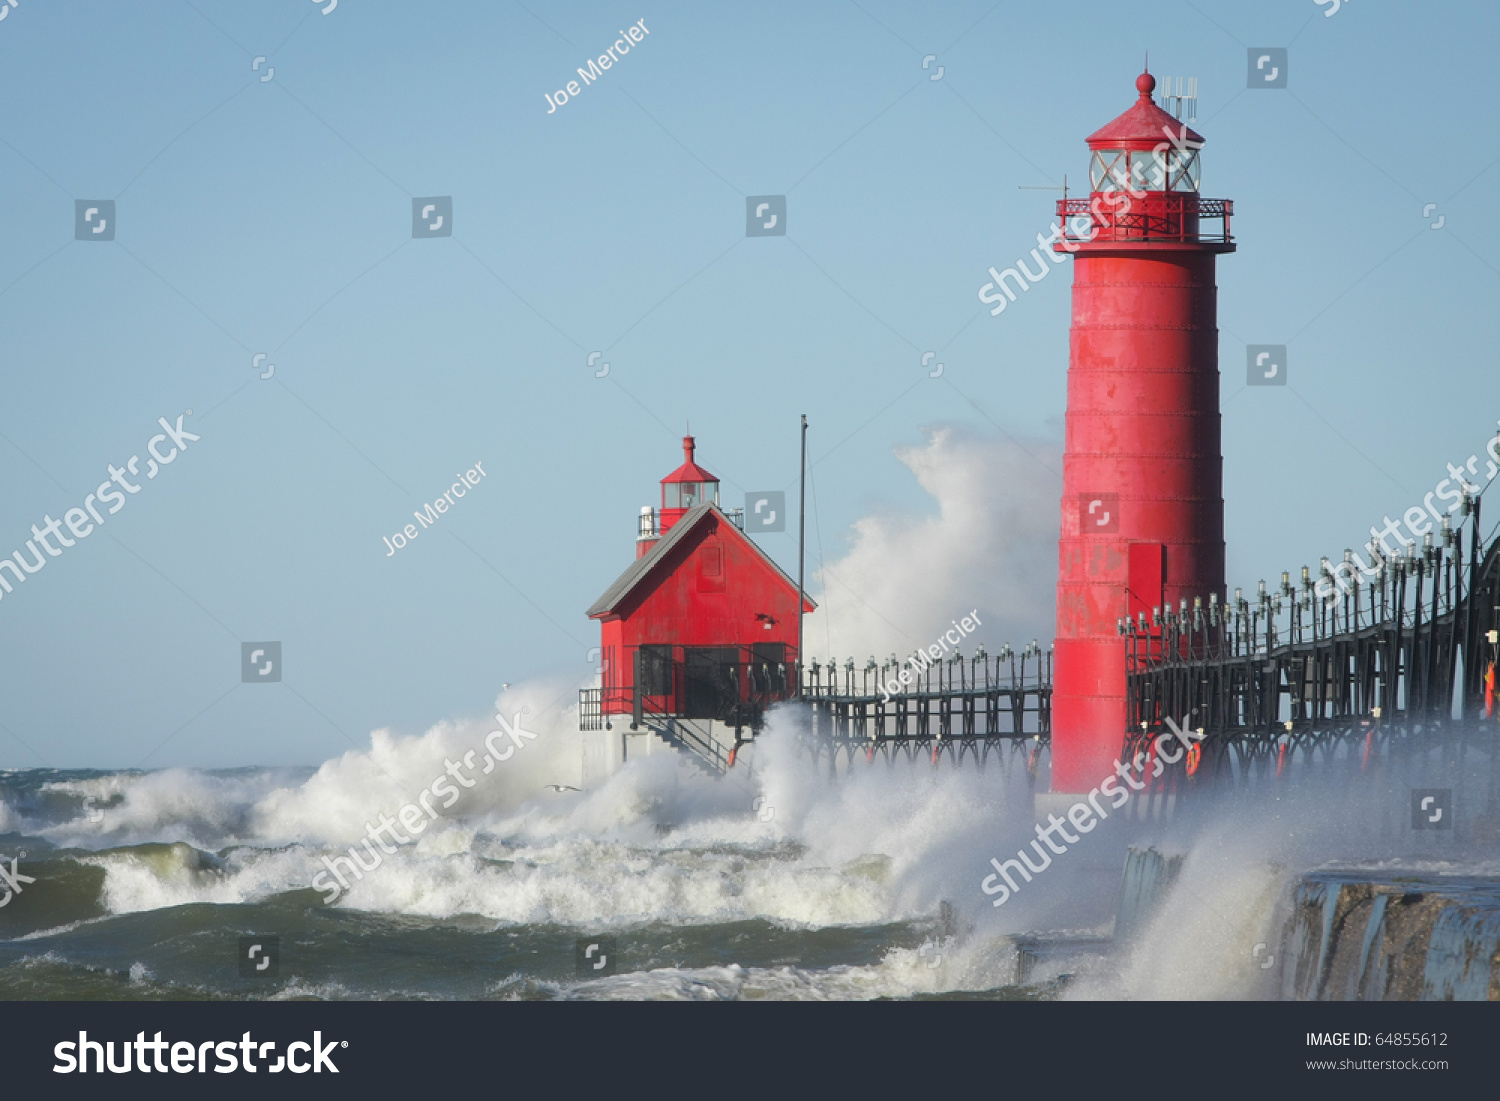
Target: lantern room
(1128,153)
(1144,171)
(684,489)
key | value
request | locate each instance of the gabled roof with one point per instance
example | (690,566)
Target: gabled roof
(627,582)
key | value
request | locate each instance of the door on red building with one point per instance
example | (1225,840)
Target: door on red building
(1147,574)
(655,678)
(711,687)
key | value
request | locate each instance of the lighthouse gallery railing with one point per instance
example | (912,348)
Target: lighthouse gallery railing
(1161,216)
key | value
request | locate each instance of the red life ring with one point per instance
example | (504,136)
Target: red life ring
(1194,756)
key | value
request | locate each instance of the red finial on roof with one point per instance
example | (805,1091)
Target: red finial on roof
(689,471)
(1145,84)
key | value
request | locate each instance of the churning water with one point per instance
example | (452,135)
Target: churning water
(778,881)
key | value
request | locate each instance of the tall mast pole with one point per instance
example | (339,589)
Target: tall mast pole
(801,542)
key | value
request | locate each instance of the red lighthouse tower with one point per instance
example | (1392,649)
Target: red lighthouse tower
(1143,505)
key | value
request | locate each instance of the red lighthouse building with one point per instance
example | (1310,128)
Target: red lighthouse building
(1143,505)
(702,626)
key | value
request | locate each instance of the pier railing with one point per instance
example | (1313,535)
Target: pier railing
(1400,641)
(972,703)
(957,701)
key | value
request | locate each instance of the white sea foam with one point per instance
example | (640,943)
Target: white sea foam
(1219,926)
(657,841)
(991,544)
(901,973)
(660,843)
(200,808)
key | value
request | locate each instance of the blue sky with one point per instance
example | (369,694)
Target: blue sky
(274,216)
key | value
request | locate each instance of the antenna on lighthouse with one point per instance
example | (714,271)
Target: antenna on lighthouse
(1179,95)
(1039,187)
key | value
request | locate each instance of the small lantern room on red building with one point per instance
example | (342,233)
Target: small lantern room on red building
(703,625)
